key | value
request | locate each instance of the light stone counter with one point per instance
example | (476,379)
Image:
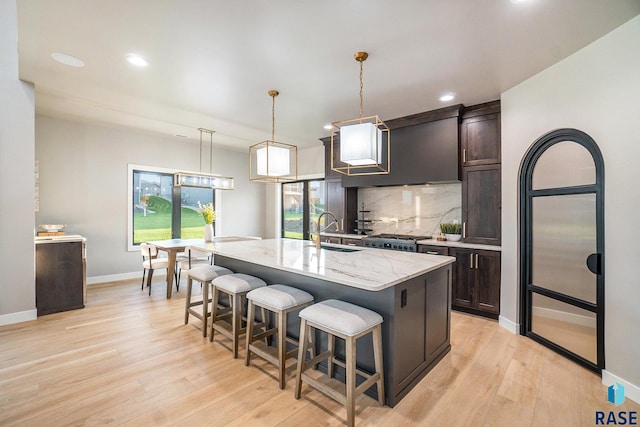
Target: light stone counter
(365,268)
(449,244)
(343,235)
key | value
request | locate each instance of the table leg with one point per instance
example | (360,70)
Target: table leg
(171,268)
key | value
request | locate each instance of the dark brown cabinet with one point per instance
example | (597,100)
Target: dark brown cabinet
(351,242)
(481,174)
(60,276)
(476,281)
(433,250)
(342,202)
(480,140)
(481,204)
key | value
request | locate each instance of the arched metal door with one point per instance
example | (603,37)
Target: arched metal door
(562,246)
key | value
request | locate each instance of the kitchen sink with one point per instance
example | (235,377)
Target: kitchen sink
(337,249)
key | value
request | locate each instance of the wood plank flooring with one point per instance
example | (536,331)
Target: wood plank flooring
(128,359)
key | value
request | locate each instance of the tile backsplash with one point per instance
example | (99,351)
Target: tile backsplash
(416,209)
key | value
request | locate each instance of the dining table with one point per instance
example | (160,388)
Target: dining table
(173,246)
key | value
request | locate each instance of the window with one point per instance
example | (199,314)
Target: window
(159,211)
(302,203)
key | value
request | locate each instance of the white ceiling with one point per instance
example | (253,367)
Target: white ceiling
(213,61)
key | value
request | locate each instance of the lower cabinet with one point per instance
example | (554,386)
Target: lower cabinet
(433,250)
(351,242)
(476,281)
(331,239)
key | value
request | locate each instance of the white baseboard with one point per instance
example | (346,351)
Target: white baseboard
(121,276)
(18,317)
(563,316)
(510,326)
(631,391)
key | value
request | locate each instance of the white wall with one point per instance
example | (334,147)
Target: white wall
(17,289)
(595,90)
(83,183)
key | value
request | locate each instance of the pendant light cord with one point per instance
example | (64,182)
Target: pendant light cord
(273,117)
(361,96)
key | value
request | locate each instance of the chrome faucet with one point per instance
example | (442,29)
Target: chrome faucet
(335,221)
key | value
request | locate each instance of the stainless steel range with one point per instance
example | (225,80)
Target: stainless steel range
(396,242)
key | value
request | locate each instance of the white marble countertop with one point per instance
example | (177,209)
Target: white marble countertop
(365,268)
(450,244)
(59,239)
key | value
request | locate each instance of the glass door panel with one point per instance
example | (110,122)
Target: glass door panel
(566,325)
(551,169)
(563,236)
(317,205)
(293,210)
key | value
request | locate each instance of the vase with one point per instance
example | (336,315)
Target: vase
(208,233)
(453,237)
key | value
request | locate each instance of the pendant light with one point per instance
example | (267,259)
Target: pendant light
(363,142)
(202,179)
(270,160)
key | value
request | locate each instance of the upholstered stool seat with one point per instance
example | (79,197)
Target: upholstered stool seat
(280,300)
(203,275)
(349,322)
(235,286)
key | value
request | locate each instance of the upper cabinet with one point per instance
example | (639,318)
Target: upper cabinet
(480,135)
(481,174)
(424,148)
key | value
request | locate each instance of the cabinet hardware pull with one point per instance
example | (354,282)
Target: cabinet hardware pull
(476,261)
(464,229)
(471,259)
(464,155)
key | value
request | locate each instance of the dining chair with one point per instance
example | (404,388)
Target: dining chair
(193,258)
(151,262)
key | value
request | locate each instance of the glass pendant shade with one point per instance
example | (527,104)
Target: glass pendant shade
(360,144)
(192,179)
(273,161)
(270,160)
(363,143)
(203,179)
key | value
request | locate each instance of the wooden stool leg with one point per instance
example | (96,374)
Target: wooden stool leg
(205,307)
(302,356)
(214,310)
(331,343)
(350,365)
(282,346)
(236,322)
(377,354)
(250,322)
(188,302)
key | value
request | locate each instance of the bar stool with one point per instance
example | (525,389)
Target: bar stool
(349,322)
(236,286)
(280,300)
(203,275)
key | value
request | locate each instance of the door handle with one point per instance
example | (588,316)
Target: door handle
(476,261)
(594,263)
(471,261)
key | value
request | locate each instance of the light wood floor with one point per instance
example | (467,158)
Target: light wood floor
(128,359)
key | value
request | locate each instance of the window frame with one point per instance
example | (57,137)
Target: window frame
(305,202)
(175,199)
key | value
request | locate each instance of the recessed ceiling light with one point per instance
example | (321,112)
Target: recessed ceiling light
(447,97)
(181,136)
(519,1)
(67,59)
(328,127)
(137,60)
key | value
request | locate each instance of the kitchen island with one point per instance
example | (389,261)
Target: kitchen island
(412,292)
